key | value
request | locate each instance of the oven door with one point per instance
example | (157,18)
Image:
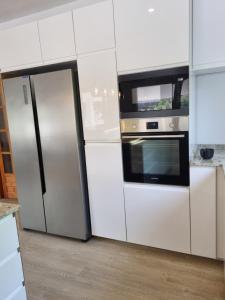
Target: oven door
(161,159)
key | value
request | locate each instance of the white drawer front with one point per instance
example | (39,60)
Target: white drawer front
(18,294)
(11,275)
(8,234)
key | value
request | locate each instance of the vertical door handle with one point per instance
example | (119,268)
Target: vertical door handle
(25,94)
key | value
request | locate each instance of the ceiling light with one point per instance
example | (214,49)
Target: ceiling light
(151,10)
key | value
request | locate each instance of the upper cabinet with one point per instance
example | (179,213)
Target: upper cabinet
(94,27)
(151,33)
(99,96)
(20,46)
(57,37)
(208,33)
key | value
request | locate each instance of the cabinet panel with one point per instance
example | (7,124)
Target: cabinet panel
(99,96)
(94,27)
(105,184)
(11,275)
(18,294)
(57,36)
(158,216)
(203,211)
(20,46)
(208,31)
(151,33)
(8,234)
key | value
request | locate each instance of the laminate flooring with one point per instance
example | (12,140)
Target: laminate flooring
(64,269)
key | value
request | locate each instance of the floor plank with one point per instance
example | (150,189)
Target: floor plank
(63,269)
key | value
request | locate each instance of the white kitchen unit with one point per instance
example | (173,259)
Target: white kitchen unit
(105,184)
(158,216)
(57,37)
(99,96)
(94,27)
(11,271)
(20,47)
(203,211)
(208,33)
(151,34)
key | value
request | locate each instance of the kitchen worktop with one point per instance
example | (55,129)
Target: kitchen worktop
(7,209)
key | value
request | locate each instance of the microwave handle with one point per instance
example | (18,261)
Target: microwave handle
(153,136)
(177,94)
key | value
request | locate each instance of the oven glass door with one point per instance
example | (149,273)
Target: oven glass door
(160,159)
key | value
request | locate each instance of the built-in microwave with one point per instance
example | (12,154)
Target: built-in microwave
(156,150)
(155,94)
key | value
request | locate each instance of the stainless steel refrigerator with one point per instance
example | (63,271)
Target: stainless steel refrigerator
(46,134)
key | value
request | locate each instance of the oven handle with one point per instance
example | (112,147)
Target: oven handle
(152,137)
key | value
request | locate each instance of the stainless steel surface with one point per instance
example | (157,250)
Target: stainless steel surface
(166,124)
(64,199)
(22,132)
(152,137)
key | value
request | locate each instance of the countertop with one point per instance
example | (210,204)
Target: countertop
(7,209)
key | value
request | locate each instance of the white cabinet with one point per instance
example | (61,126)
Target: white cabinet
(158,216)
(11,272)
(105,184)
(94,27)
(20,47)
(57,37)
(203,211)
(208,32)
(99,96)
(151,34)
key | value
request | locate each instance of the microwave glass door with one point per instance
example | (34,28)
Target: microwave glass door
(156,160)
(156,97)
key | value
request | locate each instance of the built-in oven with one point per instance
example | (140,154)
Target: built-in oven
(156,150)
(155,94)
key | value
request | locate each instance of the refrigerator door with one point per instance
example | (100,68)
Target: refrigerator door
(65,205)
(25,153)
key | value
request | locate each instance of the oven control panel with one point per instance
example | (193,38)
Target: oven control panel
(152,125)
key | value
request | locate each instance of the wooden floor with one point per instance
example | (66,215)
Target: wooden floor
(64,269)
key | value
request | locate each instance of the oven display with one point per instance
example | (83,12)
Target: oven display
(152,125)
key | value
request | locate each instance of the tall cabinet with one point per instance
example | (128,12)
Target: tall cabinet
(8,178)
(100,114)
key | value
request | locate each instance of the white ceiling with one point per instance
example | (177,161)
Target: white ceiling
(12,9)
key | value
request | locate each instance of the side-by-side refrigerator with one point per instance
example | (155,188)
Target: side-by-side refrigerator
(48,151)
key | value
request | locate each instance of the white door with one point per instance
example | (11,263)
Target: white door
(20,47)
(152,33)
(99,96)
(203,211)
(208,32)
(105,184)
(158,216)
(94,27)
(57,37)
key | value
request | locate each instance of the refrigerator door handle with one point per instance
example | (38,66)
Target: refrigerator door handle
(38,138)
(25,94)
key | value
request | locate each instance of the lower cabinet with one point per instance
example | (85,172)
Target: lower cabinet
(105,185)
(158,216)
(11,271)
(203,211)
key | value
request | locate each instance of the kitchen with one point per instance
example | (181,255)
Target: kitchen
(106,118)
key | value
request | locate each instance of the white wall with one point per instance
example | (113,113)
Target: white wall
(210,108)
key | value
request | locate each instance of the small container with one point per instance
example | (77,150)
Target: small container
(207,153)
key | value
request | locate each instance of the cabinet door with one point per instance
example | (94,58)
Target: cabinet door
(150,34)
(94,27)
(11,275)
(57,37)
(158,216)
(20,47)
(203,211)
(208,32)
(8,234)
(99,96)
(105,184)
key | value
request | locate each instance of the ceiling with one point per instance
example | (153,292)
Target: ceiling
(12,9)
